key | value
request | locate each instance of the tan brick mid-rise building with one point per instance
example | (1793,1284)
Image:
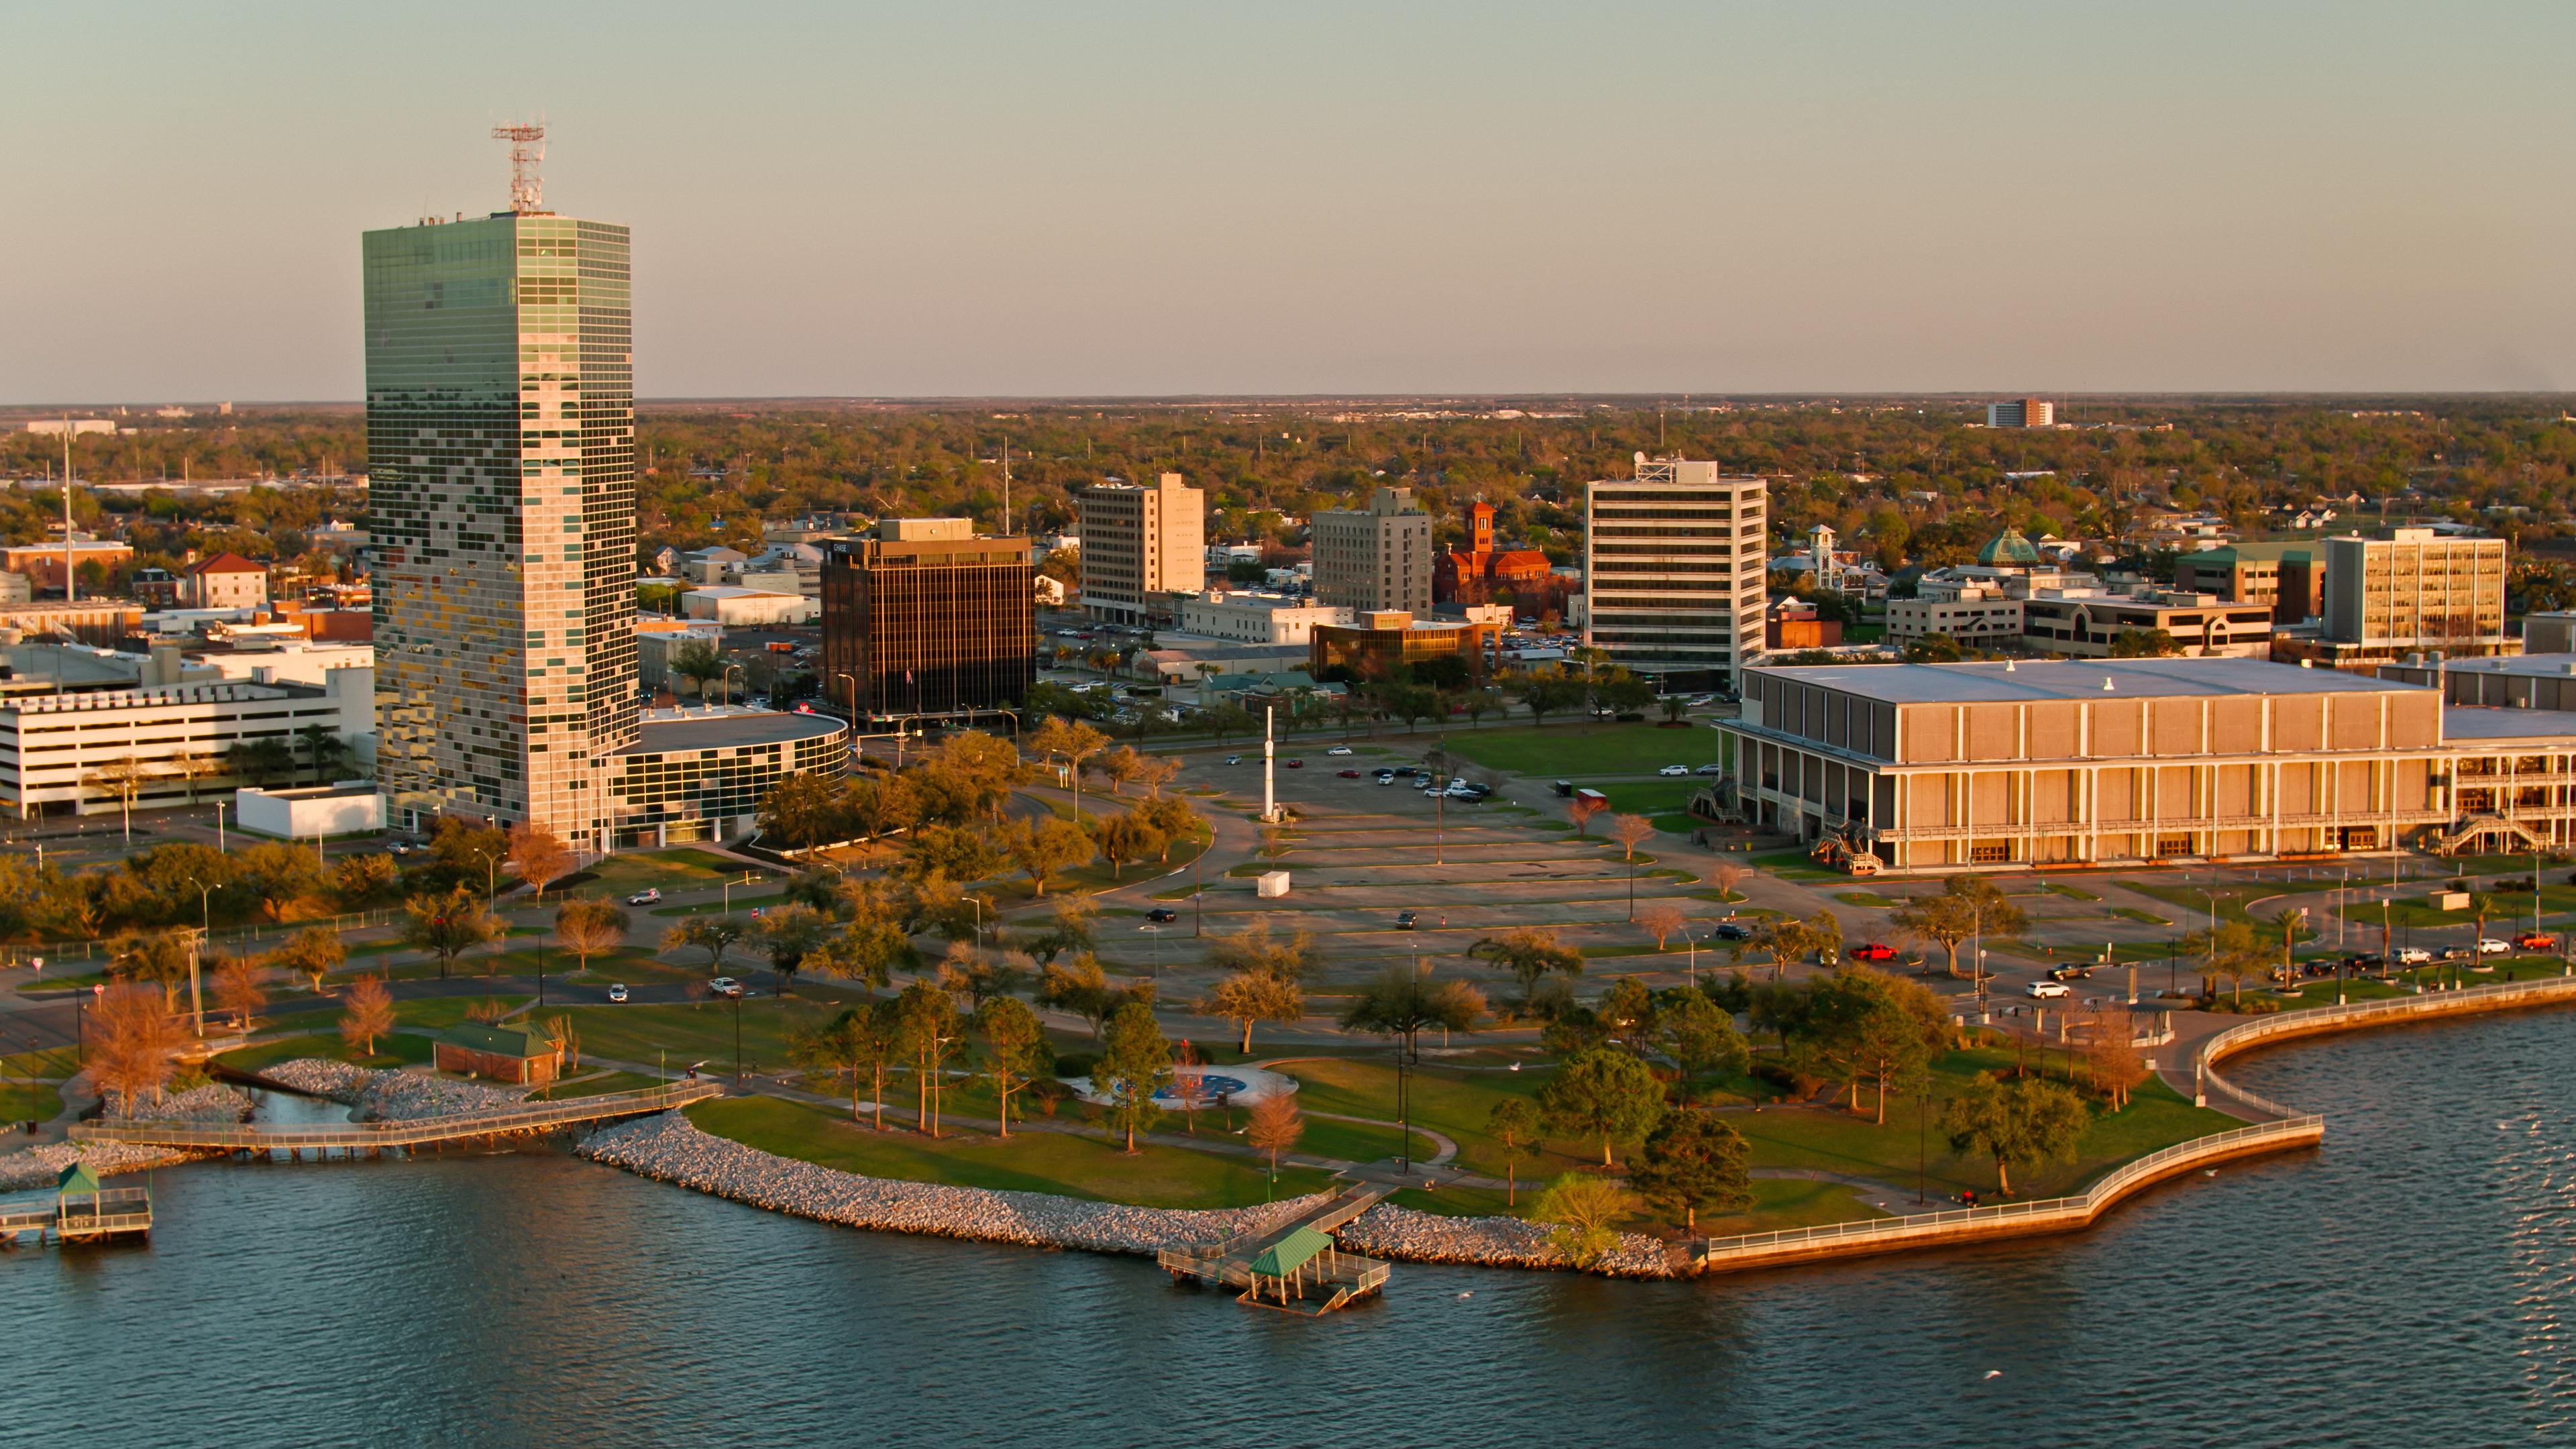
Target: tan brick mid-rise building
(1954,766)
(1378,557)
(1141,546)
(2413,590)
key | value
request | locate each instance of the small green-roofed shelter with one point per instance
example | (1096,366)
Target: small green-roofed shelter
(1292,1252)
(76,1180)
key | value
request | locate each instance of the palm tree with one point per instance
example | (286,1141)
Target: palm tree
(2289,921)
(324,748)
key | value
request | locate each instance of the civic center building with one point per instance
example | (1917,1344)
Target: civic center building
(1936,767)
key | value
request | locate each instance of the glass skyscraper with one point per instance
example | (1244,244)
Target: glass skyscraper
(501,500)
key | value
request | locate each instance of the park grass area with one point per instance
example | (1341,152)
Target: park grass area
(677,869)
(601,1086)
(438,1013)
(1794,865)
(2230,900)
(1649,797)
(1574,749)
(1361,1142)
(1084,1165)
(29,1102)
(1871,899)
(2143,918)
(2072,893)
(742,900)
(51,1064)
(694,1032)
(400,1049)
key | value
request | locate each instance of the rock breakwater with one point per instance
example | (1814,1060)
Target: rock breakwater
(1402,1235)
(671,1148)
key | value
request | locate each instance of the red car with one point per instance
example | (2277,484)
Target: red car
(1873,951)
(1350,774)
(1294,764)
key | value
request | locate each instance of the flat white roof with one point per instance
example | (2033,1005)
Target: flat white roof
(2022,680)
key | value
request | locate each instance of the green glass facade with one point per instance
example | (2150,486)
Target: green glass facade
(501,480)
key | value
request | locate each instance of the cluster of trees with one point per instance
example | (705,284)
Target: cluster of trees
(920,1033)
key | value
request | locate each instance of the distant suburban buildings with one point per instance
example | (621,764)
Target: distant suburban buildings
(928,618)
(2027,412)
(1673,566)
(1374,558)
(42,563)
(1962,766)
(1140,546)
(226,581)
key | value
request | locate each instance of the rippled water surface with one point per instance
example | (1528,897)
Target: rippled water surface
(2408,1284)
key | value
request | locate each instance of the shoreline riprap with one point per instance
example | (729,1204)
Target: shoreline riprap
(670,1148)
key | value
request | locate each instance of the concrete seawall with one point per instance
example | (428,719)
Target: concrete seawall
(2287,1128)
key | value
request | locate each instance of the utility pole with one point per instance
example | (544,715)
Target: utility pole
(71,585)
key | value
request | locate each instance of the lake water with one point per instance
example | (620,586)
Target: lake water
(2408,1284)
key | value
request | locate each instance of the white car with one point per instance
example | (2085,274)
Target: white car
(1674,770)
(725,986)
(2045,990)
(617,992)
(2490,946)
(2413,955)
(1339,750)
(1711,768)
(644,898)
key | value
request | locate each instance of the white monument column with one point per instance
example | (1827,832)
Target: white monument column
(1269,754)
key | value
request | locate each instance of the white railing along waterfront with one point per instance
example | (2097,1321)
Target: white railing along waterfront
(2082,1207)
(399,1132)
(2361,1014)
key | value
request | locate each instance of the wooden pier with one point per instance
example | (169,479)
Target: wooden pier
(1278,1267)
(82,1212)
(352,1138)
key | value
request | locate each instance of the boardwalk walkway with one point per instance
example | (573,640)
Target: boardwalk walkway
(1253,1261)
(359,1136)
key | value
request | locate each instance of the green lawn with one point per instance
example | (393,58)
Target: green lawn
(677,869)
(21,1102)
(1572,749)
(437,1013)
(53,1063)
(695,1032)
(392,1051)
(1084,1165)
(601,1086)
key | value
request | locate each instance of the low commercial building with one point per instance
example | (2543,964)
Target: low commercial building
(2513,681)
(658,641)
(42,563)
(1254,618)
(1977,615)
(2089,624)
(313,812)
(1954,766)
(700,774)
(103,622)
(1382,639)
(2549,633)
(736,607)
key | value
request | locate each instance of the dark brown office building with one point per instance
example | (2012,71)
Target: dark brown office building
(928,619)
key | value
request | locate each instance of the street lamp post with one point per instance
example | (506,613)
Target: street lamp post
(1922,1112)
(1155,934)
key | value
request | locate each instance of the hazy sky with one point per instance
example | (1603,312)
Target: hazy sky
(1050,198)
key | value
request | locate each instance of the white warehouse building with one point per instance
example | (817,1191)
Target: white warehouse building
(62,753)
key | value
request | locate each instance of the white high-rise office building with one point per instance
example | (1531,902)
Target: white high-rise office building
(1674,562)
(2026,412)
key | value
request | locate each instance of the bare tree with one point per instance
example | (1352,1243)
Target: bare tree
(589,926)
(366,1013)
(1630,831)
(1661,919)
(1275,1127)
(1726,876)
(238,989)
(539,855)
(1581,809)
(135,1041)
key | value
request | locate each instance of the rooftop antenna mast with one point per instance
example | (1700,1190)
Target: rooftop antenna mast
(527,155)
